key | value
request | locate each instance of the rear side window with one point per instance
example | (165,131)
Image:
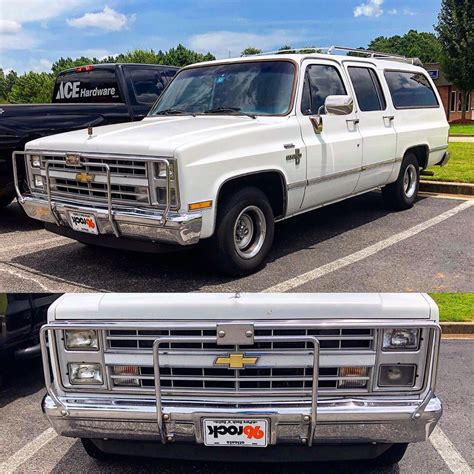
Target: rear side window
(410,90)
(320,81)
(92,86)
(367,89)
(148,84)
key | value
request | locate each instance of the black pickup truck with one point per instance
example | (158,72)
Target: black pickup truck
(83,96)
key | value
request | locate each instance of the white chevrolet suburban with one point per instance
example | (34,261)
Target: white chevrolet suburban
(211,376)
(234,145)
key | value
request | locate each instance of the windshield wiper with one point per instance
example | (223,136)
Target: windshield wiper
(174,112)
(229,110)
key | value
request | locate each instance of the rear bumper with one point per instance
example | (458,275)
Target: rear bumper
(347,421)
(140,224)
(444,160)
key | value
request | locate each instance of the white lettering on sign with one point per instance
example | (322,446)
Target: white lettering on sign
(72,90)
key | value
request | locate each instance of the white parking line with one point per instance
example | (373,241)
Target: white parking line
(449,453)
(27,452)
(5,268)
(364,253)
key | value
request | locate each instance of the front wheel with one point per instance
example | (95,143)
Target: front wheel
(402,194)
(93,451)
(244,232)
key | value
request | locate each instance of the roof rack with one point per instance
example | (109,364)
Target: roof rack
(333,49)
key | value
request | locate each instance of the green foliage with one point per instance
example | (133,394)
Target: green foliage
(32,87)
(456,35)
(6,84)
(250,51)
(460,167)
(455,306)
(424,46)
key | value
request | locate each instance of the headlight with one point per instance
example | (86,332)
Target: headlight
(397,375)
(401,339)
(82,340)
(35,161)
(85,374)
(39,183)
(161,170)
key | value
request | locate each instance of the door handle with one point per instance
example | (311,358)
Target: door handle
(389,117)
(354,121)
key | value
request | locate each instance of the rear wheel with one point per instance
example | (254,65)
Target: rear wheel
(393,455)
(244,232)
(93,451)
(402,194)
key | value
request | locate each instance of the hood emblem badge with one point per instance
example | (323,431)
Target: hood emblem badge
(90,132)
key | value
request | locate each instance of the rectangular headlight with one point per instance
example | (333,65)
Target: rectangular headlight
(85,374)
(397,375)
(405,339)
(161,170)
(35,161)
(81,340)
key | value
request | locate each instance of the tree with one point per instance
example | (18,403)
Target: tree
(456,34)
(6,84)
(413,44)
(32,87)
(250,51)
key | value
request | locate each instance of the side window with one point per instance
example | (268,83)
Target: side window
(367,89)
(148,84)
(320,81)
(410,90)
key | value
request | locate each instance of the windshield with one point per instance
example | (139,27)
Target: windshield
(254,88)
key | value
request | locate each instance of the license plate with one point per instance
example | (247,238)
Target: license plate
(83,222)
(230,432)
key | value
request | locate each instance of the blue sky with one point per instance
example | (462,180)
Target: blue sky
(33,33)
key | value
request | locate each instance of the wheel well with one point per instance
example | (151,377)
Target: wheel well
(272,183)
(422,153)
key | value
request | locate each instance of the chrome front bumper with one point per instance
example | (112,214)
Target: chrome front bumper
(146,224)
(338,421)
(143,224)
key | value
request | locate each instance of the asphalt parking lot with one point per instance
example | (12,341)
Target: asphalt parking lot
(29,446)
(356,245)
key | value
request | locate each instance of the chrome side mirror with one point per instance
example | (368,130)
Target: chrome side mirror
(317,121)
(339,104)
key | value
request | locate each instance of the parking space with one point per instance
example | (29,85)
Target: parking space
(28,445)
(355,245)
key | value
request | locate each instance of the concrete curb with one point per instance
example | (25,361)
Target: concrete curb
(457,328)
(457,135)
(447,187)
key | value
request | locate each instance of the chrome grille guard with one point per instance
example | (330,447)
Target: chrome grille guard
(60,159)
(312,419)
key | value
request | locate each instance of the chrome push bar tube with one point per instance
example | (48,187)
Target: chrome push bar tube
(167,340)
(57,160)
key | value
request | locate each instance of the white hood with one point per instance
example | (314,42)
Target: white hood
(254,306)
(153,136)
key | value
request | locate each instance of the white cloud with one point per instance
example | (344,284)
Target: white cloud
(108,19)
(9,27)
(393,11)
(221,43)
(41,65)
(408,12)
(371,8)
(24,11)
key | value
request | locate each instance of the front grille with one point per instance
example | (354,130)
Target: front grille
(129,180)
(294,380)
(187,369)
(329,339)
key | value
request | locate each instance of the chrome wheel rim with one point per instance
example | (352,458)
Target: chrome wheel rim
(250,229)
(410,179)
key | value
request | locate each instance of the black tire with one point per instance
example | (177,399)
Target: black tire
(249,205)
(93,451)
(402,194)
(393,455)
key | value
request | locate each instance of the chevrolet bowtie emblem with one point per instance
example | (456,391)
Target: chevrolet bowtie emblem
(236,361)
(84,177)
